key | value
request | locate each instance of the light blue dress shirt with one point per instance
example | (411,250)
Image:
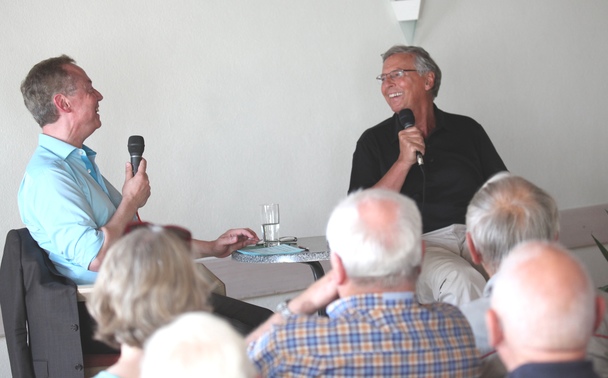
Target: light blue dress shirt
(64,201)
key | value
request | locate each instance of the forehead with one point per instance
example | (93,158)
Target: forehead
(77,73)
(400,60)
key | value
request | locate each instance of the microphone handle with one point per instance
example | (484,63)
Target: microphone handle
(135,160)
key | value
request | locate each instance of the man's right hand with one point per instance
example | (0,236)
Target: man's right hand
(410,141)
(136,189)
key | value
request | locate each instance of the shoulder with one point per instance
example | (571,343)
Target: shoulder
(458,122)
(384,129)
(475,307)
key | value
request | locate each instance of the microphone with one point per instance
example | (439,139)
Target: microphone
(136,150)
(406,119)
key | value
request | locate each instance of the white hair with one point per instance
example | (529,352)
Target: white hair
(196,344)
(544,298)
(377,234)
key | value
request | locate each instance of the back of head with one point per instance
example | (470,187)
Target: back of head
(424,63)
(377,234)
(196,345)
(507,210)
(544,299)
(44,80)
(147,278)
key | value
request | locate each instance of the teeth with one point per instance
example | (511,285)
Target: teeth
(393,95)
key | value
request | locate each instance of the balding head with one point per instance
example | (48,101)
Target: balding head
(377,234)
(506,211)
(545,304)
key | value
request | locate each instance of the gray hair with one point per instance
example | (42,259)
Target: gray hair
(507,210)
(44,81)
(544,298)
(377,234)
(424,63)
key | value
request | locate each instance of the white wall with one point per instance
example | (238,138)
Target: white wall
(243,102)
(533,73)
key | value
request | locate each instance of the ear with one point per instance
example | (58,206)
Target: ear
(338,268)
(495,334)
(62,103)
(600,309)
(475,255)
(429,81)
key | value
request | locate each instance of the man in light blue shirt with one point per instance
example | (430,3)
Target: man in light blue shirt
(64,200)
(66,204)
(70,209)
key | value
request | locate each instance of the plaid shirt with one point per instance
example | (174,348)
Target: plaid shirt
(371,335)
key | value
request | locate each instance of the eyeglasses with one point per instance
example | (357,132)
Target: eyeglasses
(396,74)
(179,232)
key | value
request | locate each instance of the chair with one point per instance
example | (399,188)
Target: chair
(40,313)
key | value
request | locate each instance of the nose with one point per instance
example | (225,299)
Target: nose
(99,95)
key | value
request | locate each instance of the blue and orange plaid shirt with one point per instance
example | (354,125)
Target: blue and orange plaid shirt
(371,335)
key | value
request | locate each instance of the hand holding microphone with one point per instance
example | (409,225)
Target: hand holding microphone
(406,119)
(136,188)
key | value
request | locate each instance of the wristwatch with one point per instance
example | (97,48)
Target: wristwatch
(284,310)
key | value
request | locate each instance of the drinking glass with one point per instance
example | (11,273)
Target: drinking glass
(270,223)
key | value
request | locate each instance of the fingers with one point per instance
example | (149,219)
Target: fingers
(142,166)
(237,234)
(410,141)
(128,171)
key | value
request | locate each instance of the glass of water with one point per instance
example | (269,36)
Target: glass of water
(270,223)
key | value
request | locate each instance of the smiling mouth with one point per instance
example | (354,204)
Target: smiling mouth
(393,95)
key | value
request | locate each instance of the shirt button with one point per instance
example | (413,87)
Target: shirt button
(88,170)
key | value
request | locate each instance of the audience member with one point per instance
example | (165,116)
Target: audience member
(147,279)
(508,210)
(543,311)
(375,326)
(196,345)
(70,209)
(458,158)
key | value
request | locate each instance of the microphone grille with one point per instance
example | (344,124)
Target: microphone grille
(136,144)
(406,118)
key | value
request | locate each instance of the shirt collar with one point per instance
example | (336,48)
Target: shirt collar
(487,290)
(342,305)
(61,148)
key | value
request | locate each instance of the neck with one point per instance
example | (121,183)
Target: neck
(351,288)
(530,355)
(64,133)
(127,365)
(425,119)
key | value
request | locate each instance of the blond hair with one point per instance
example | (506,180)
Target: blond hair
(147,279)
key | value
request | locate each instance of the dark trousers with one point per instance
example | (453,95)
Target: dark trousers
(244,317)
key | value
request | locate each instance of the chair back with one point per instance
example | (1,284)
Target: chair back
(39,311)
